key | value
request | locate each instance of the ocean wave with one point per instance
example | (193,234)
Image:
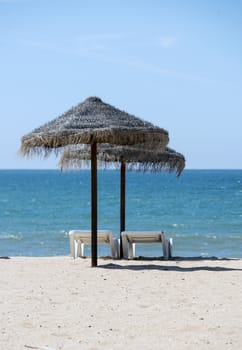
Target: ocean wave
(195,235)
(11,237)
(208,237)
(188,235)
(4,200)
(211,236)
(177,225)
(236,237)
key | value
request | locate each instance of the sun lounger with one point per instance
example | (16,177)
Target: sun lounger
(78,239)
(130,238)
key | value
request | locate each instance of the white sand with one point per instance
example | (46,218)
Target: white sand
(60,303)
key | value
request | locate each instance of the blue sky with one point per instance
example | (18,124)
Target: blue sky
(176,63)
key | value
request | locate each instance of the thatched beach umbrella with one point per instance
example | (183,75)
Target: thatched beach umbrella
(92,122)
(131,157)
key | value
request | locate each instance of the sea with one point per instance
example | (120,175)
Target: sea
(201,210)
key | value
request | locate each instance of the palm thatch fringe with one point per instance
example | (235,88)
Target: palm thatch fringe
(136,158)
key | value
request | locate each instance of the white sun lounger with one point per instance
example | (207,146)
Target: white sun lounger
(130,238)
(78,239)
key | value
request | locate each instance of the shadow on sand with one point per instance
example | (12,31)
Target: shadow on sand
(177,268)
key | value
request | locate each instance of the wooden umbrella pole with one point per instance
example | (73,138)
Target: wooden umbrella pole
(94,202)
(122,203)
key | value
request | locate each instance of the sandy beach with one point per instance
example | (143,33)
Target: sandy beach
(61,303)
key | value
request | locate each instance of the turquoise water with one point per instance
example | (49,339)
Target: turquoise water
(201,210)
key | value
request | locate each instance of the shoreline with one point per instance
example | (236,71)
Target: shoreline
(55,303)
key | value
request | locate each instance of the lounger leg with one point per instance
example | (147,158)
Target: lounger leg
(72,245)
(170,248)
(112,248)
(164,245)
(117,248)
(131,250)
(167,250)
(131,255)
(125,247)
(80,249)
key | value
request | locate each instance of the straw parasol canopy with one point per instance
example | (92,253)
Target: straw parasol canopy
(90,122)
(137,157)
